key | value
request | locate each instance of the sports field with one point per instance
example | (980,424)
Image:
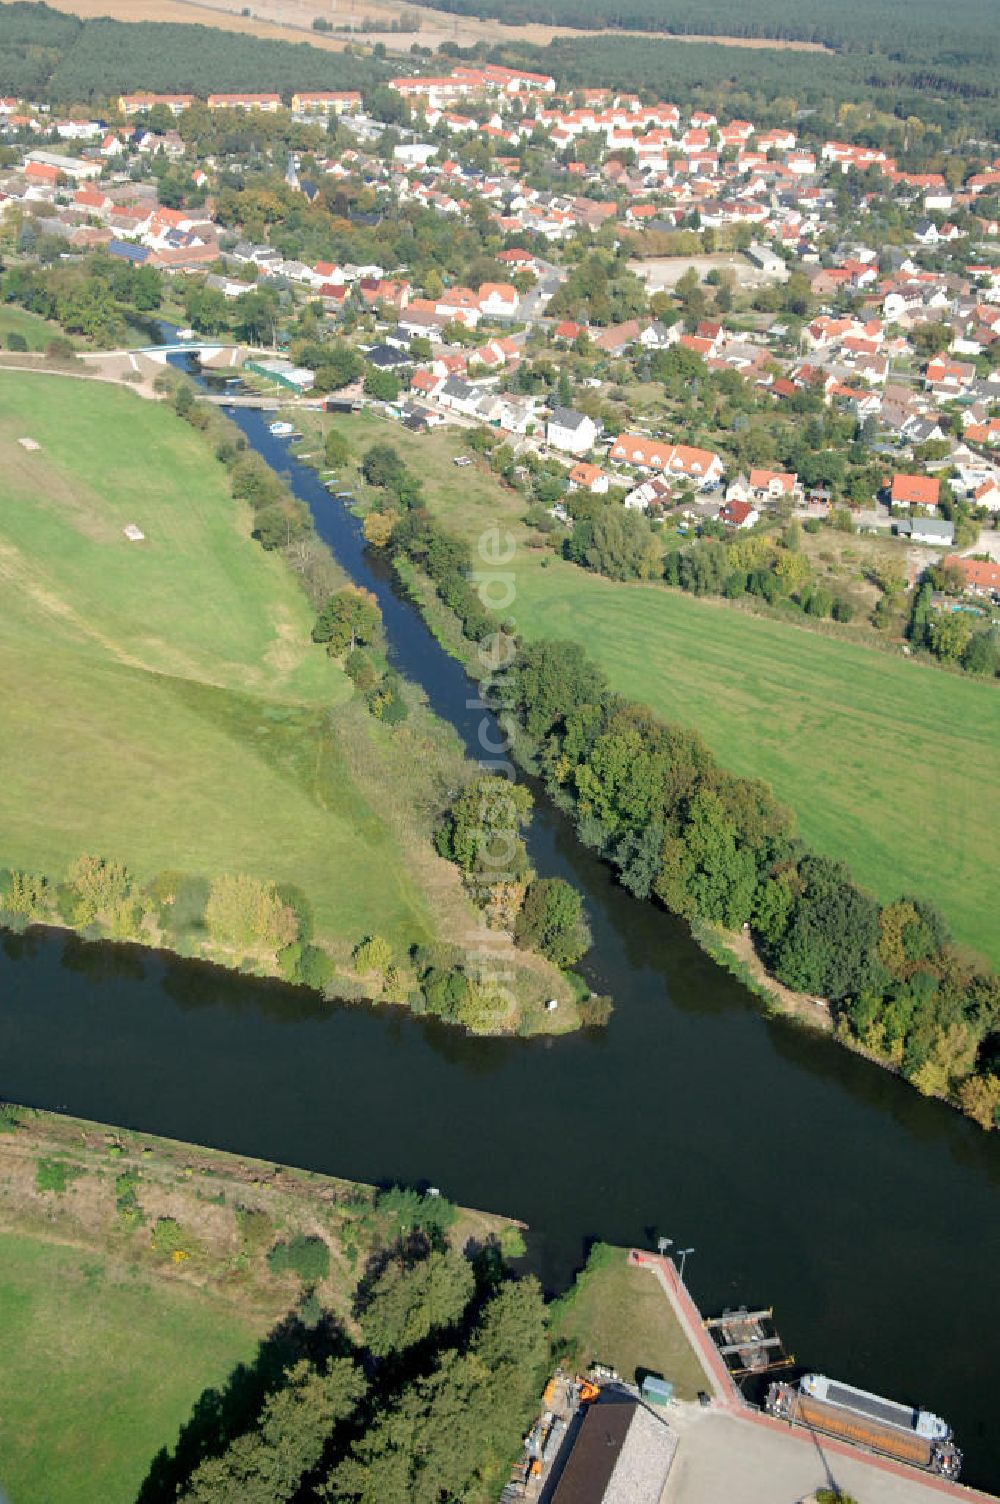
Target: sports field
(891,766)
(163,703)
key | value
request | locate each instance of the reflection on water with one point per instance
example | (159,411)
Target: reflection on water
(803,1176)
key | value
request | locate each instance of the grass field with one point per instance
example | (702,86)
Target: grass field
(163,703)
(618,1315)
(36,331)
(106,1344)
(86,1404)
(890,766)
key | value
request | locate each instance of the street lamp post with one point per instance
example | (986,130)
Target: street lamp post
(683,1256)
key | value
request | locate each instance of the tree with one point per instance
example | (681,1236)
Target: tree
(950,634)
(98,886)
(372,955)
(336,449)
(552,921)
(350,617)
(982,654)
(377,528)
(383,467)
(410,1301)
(622,545)
(547,681)
(384,386)
(338,365)
(831,944)
(267,1465)
(481,830)
(245,911)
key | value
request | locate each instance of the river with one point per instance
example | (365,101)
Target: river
(802,1176)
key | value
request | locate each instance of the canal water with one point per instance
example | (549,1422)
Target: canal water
(802,1176)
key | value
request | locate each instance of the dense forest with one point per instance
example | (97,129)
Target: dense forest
(962,32)
(769,86)
(50,56)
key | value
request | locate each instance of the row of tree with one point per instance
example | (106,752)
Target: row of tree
(652,801)
(429,1405)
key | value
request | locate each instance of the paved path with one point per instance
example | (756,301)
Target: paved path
(690,1318)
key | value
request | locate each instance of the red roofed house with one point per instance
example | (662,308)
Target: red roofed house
(587,477)
(699,465)
(739,514)
(914,491)
(982,577)
(772,485)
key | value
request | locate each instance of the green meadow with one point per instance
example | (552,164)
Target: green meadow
(891,766)
(163,703)
(87,1404)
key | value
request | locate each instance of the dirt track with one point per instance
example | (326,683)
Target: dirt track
(291,20)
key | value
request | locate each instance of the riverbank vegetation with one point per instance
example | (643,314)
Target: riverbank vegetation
(172,722)
(649,797)
(902,751)
(167,1313)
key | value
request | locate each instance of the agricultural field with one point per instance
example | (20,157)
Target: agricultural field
(889,765)
(164,703)
(618,1315)
(117,1313)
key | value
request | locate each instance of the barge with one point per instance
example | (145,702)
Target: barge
(902,1432)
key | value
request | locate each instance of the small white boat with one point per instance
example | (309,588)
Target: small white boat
(281,430)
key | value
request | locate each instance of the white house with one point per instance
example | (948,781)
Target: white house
(498,300)
(573,433)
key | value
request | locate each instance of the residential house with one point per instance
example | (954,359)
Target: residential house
(774,486)
(587,477)
(982,577)
(572,432)
(701,466)
(738,514)
(914,491)
(932,530)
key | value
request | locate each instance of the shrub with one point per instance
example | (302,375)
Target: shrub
(17,342)
(243,911)
(373,955)
(53,1175)
(168,1238)
(595,1011)
(406,1210)
(126,1200)
(512,1244)
(25,894)
(255,1227)
(98,885)
(308,1257)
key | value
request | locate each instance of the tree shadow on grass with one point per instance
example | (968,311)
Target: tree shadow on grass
(220,1415)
